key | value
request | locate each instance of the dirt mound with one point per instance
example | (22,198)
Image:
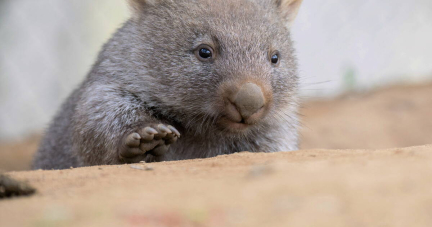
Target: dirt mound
(392,117)
(302,188)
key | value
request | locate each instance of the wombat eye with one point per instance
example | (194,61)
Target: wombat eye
(275,58)
(204,53)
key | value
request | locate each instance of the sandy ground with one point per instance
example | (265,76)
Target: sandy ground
(366,186)
(303,188)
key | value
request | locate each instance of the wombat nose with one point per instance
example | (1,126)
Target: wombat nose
(249,100)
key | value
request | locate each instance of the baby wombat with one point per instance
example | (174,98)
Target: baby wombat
(183,79)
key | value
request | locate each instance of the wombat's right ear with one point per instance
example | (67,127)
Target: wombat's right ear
(288,9)
(137,6)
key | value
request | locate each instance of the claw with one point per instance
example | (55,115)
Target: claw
(136,136)
(164,129)
(148,133)
(133,140)
(174,130)
(150,130)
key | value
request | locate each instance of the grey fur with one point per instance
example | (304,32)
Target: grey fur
(148,74)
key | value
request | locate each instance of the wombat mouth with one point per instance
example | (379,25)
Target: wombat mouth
(233,126)
(242,124)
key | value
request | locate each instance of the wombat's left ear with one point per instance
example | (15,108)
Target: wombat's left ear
(137,6)
(289,9)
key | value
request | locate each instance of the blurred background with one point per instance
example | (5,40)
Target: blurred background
(366,69)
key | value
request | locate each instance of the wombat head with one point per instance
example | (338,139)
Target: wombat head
(203,63)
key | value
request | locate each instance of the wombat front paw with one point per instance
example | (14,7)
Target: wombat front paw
(154,140)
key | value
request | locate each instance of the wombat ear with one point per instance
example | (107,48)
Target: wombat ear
(289,9)
(137,6)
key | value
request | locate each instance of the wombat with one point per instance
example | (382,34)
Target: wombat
(183,79)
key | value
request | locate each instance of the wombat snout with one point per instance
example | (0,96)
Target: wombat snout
(249,100)
(247,104)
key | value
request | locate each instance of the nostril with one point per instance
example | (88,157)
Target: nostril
(233,112)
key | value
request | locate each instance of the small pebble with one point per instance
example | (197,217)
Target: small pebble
(257,171)
(148,168)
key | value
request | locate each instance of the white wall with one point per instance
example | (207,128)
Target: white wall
(376,42)
(47,47)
